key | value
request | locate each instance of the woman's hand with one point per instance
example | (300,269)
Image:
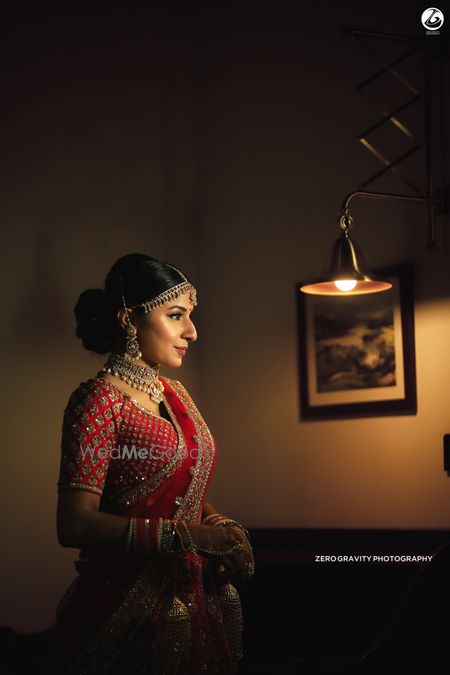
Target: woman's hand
(228,549)
(215,541)
(226,546)
(238,565)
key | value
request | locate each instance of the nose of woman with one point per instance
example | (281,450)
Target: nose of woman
(189,331)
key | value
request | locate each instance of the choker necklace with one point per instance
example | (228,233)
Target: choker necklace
(144,378)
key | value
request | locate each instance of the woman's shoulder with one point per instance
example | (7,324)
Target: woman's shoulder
(95,391)
(176,387)
(170,380)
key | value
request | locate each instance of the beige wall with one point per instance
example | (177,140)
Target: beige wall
(279,154)
(230,160)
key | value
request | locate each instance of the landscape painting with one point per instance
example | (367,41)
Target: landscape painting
(357,352)
(354,342)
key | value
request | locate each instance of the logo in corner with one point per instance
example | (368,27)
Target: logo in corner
(432,20)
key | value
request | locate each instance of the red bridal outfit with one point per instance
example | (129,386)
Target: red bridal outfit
(154,613)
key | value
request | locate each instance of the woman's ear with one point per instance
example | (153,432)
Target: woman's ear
(125,318)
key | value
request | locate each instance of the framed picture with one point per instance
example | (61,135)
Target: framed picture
(356,352)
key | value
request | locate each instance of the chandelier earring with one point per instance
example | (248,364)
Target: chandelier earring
(132,350)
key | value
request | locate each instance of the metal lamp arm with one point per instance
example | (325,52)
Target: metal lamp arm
(388,196)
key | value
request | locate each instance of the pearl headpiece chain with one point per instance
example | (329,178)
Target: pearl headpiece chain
(170,294)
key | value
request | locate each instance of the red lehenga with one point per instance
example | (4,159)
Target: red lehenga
(133,613)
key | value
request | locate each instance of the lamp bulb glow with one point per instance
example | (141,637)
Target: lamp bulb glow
(345,285)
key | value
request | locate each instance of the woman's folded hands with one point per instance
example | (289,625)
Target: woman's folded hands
(227,546)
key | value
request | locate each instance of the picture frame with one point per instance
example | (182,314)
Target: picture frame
(357,353)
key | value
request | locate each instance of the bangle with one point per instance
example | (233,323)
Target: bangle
(230,521)
(211,517)
(142,535)
(217,519)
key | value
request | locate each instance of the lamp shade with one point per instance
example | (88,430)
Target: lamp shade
(345,272)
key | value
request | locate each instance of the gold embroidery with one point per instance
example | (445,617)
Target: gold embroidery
(205,443)
(137,493)
(121,629)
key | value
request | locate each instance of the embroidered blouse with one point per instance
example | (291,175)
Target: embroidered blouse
(140,463)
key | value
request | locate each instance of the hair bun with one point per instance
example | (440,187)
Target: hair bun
(96,320)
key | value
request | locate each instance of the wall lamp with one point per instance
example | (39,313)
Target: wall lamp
(345,271)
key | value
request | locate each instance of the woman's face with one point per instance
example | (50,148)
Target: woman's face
(164,333)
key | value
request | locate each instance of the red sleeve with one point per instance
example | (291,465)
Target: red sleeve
(89,432)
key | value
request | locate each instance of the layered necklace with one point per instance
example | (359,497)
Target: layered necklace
(144,378)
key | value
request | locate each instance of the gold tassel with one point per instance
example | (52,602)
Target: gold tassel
(173,638)
(230,604)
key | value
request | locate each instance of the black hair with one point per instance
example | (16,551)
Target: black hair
(139,278)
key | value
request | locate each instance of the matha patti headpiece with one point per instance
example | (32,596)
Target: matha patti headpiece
(170,294)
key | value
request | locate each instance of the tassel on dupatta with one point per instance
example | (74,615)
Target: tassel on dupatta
(230,605)
(173,638)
